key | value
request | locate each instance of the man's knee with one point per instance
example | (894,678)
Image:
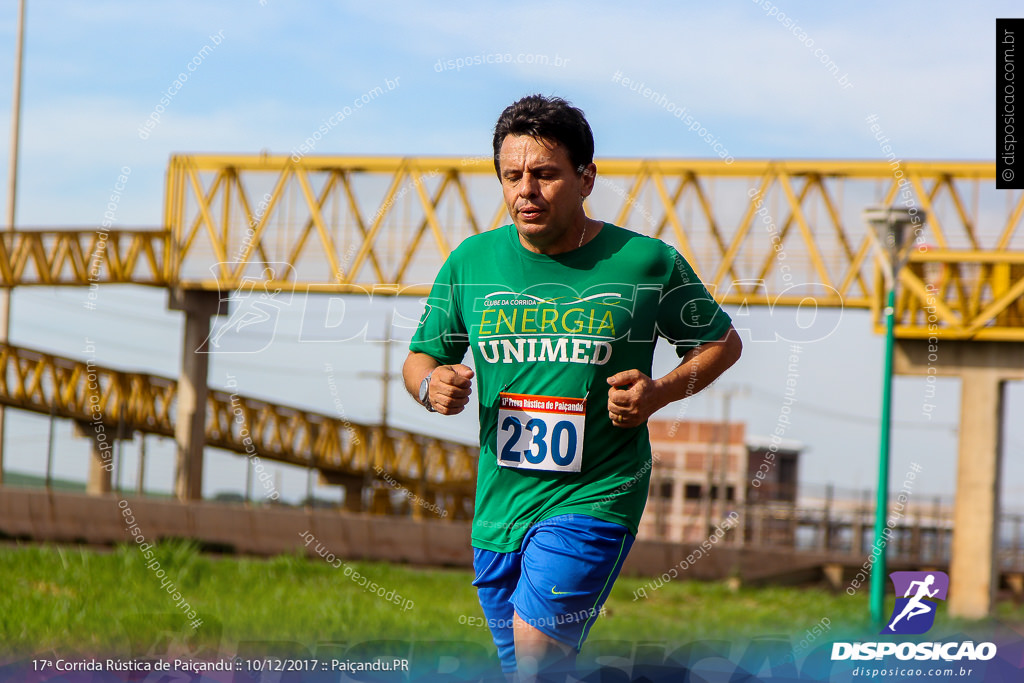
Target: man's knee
(537,652)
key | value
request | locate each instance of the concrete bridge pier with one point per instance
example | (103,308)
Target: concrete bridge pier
(983,369)
(101,457)
(190,424)
(352,484)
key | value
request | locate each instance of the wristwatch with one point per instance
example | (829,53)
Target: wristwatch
(425,393)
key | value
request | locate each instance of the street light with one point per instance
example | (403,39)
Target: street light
(892,228)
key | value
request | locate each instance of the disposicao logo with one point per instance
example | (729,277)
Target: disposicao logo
(914,613)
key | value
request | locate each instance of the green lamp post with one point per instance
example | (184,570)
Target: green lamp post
(892,227)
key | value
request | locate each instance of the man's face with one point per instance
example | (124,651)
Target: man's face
(544,193)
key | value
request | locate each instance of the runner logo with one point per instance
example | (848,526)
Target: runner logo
(914,613)
(256,304)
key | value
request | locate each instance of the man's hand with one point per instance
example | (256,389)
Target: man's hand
(450,387)
(632,398)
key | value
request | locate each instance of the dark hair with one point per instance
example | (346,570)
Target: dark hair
(552,119)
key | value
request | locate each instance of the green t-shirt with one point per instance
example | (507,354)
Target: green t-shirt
(546,332)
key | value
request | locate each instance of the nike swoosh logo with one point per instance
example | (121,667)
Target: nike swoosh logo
(554,592)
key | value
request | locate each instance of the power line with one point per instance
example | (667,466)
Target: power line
(102,310)
(275,368)
(768,396)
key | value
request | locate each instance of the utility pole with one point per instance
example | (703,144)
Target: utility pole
(12,195)
(385,377)
(720,466)
(723,469)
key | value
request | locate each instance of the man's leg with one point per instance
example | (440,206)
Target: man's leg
(496,577)
(536,652)
(569,564)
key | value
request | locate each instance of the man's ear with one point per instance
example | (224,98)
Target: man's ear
(589,174)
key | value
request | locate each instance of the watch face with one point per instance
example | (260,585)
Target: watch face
(424,389)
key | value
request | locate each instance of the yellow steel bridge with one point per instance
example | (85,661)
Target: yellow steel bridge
(757,232)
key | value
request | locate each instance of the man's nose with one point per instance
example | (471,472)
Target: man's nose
(528,186)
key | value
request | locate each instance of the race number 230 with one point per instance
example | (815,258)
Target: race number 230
(541,432)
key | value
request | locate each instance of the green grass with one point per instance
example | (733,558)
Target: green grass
(71,599)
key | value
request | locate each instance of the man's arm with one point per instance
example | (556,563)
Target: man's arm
(633,396)
(450,385)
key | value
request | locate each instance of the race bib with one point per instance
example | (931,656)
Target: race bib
(541,432)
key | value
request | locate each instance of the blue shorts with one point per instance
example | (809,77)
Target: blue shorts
(556,582)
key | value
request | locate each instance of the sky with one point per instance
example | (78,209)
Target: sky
(95,73)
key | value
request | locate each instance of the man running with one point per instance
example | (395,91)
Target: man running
(562,313)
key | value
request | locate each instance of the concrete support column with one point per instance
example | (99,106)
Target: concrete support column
(983,369)
(419,494)
(190,422)
(352,484)
(354,496)
(101,459)
(972,580)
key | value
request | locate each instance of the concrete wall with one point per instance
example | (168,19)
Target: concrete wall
(39,515)
(48,516)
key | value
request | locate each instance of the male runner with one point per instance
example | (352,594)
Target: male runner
(562,313)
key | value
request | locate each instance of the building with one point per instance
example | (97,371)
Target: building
(772,466)
(704,470)
(692,459)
